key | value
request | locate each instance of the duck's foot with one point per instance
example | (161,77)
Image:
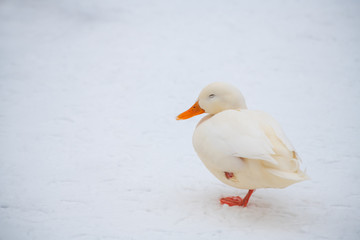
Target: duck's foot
(229,175)
(232,201)
(237,201)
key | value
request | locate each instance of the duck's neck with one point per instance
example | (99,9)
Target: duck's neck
(204,119)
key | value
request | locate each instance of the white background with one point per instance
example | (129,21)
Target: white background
(89,90)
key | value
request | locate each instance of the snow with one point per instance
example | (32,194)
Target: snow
(89,91)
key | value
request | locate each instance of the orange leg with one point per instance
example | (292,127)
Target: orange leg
(247,197)
(237,201)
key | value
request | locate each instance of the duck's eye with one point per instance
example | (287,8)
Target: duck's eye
(211,95)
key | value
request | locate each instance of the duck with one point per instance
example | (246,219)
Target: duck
(245,149)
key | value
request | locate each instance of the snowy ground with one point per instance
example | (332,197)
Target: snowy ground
(89,91)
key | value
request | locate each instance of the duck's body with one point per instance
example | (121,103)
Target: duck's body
(249,144)
(243,148)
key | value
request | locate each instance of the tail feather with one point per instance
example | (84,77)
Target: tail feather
(294,176)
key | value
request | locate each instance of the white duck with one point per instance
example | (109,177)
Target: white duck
(243,148)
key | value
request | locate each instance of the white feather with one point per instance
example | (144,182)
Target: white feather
(250,144)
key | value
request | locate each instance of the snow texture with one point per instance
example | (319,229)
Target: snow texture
(89,91)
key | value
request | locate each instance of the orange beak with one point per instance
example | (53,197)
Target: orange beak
(193,111)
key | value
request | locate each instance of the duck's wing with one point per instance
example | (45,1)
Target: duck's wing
(241,133)
(267,121)
(257,135)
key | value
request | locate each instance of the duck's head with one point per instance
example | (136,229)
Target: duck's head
(215,98)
